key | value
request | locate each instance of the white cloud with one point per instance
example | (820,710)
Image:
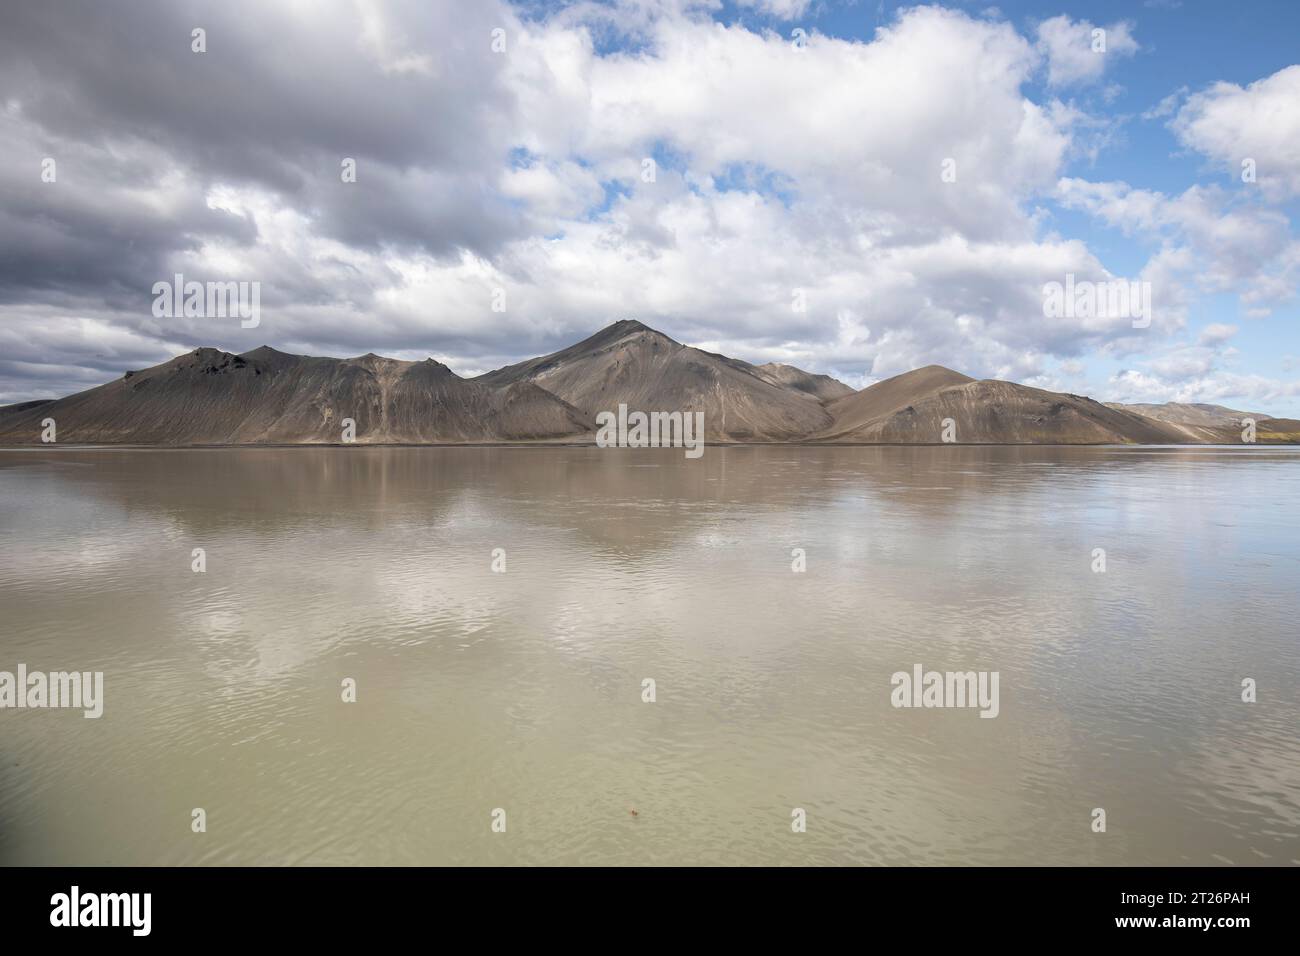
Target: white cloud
(554,190)
(1217,333)
(1184,363)
(781,9)
(1200,372)
(854,135)
(1078,51)
(1211,241)
(1167,105)
(1261,122)
(1218,388)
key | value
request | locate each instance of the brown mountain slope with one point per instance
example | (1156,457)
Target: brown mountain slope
(17,407)
(1198,421)
(1280,430)
(912,407)
(264,396)
(857,411)
(1192,413)
(821,387)
(212,397)
(646,370)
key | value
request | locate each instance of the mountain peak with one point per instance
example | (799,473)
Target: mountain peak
(628,325)
(940,370)
(621,330)
(377,363)
(265,351)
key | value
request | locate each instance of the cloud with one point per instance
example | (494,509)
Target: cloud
(1217,333)
(1133,385)
(1259,124)
(780,9)
(121,106)
(1078,52)
(524,172)
(1204,371)
(1210,239)
(776,169)
(1167,106)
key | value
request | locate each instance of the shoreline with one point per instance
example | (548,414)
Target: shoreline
(130,446)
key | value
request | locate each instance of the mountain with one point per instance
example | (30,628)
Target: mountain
(1181,413)
(1282,431)
(208,396)
(23,406)
(821,387)
(212,397)
(1197,422)
(1200,422)
(629,363)
(857,411)
(912,407)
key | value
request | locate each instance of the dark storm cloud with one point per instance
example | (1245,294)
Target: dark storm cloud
(92,242)
(273,90)
(114,93)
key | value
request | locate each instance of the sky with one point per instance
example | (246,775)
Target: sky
(855,188)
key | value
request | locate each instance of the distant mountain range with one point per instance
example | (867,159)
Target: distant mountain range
(211,397)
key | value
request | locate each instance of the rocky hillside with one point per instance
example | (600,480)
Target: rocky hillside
(264,396)
(631,364)
(212,397)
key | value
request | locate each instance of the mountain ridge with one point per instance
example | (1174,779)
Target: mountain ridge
(630,363)
(209,396)
(264,396)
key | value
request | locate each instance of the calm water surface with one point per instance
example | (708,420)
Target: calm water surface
(523,690)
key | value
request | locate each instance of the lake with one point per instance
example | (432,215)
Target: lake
(498,613)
